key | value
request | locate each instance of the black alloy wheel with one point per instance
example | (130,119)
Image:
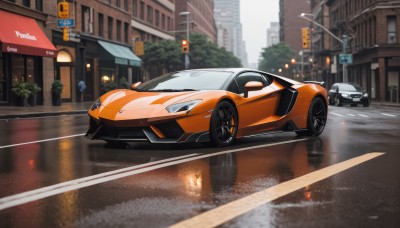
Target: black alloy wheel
(316,118)
(223,124)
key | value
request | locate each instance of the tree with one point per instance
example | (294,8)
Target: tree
(275,57)
(167,56)
(205,54)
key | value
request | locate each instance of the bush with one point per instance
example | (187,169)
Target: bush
(57,87)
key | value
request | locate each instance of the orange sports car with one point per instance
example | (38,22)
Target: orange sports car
(208,105)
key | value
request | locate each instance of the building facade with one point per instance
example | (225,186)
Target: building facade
(27,54)
(290,24)
(227,17)
(200,15)
(321,64)
(273,34)
(373,31)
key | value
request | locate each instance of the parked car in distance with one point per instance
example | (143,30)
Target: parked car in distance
(347,93)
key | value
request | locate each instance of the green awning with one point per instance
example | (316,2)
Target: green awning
(121,54)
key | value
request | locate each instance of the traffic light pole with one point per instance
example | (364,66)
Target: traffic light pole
(187,60)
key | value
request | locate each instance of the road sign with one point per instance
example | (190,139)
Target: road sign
(62,23)
(345,58)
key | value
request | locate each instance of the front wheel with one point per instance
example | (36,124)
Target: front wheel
(224,124)
(316,118)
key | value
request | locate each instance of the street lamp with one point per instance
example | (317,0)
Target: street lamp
(343,41)
(187,14)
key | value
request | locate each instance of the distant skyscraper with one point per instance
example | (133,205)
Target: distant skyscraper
(227,18)
(273,34)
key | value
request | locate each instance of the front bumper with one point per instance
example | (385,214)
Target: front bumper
(166,132)
(353,100)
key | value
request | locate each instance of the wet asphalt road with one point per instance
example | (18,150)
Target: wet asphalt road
(160,185)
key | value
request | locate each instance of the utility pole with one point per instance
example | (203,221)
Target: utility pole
(187,60)
(343,40)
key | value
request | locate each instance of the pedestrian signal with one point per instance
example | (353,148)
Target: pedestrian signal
(185,46)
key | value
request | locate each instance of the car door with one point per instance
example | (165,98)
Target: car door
(256,110)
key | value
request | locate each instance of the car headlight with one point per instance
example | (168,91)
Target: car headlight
(365,95)
(345,95)
(184,106)
(96,105)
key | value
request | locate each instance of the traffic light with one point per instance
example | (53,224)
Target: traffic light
(185,46)
(66,34)
(305,37)
(63,10)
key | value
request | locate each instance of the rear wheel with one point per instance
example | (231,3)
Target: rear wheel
(316,118)
(224,124)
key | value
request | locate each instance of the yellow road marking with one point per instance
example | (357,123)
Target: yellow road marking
(224,213)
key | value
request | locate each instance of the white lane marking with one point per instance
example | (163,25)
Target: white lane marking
(224,213)
(336,114)
(350,114)
(362,115)
(385,114)
(26,197)
(43,140)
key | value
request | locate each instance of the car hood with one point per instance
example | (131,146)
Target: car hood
(129,105)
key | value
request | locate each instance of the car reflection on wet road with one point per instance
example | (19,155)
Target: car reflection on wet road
(80,183)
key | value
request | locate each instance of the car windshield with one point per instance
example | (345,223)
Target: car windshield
(187,81)
(350,88)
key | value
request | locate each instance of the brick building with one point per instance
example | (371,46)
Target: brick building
(373,28)
(201,18)
(27,54)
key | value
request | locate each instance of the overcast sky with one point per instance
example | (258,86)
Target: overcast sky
(256,16)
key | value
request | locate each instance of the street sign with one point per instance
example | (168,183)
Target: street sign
(345,58)
(62,23)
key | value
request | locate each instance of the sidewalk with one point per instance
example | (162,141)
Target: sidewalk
(66,108)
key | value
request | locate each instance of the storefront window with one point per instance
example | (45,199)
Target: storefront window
(30,70)
(17,69)
(3,82)
(107,80)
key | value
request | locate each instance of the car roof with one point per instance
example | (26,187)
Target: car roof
(233,70)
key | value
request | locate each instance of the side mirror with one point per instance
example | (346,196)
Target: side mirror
(134,85)
(252,86)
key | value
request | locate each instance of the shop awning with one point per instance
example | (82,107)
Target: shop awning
(22,35)
(121,54)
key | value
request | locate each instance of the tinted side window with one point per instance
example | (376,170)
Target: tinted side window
(248,77)
(233,87)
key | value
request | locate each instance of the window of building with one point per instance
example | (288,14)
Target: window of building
(126,32)
(118,30)
(141,13)
(87,19)
(150,14)
(126,5)
(391,24)
(134,8)
(163,21)
(26,3)
(39,5)
(169,24)
(118,3)
(101,25)
(157,18)
(110,27)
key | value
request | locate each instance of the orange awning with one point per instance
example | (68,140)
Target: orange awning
(22,35)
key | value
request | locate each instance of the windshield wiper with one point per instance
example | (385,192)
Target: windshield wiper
(139,90)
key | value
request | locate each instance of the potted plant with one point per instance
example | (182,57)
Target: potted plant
(56,90)
(21,90)
(35,89)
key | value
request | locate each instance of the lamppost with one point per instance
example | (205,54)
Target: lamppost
(343,41)
(187,14)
